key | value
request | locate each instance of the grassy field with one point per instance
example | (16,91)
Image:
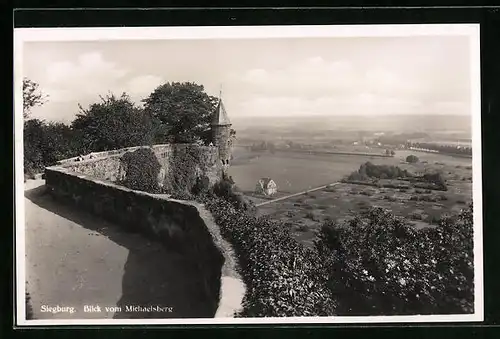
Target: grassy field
(295,172)
(305,214)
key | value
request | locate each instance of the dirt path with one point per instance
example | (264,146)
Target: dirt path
(297,194)
(74,259)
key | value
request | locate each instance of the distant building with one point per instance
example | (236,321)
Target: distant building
(266,186)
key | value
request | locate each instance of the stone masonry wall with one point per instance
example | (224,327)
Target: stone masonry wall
(107,165)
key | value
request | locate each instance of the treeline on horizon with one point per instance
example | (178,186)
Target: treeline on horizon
(173,112)
(445,149)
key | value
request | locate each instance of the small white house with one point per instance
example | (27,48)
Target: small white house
(266,186)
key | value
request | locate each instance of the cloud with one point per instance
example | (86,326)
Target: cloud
(356,104)
(318,86)
(141,86)
(311,77)
(317,77)
(89,74)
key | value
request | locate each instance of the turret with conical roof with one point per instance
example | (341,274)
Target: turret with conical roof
(221,132)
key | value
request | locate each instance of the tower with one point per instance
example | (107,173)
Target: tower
(221,132)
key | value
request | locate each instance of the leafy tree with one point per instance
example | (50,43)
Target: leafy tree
(370,170)
(113,123)
(32,96)
(411,159)
(183,110)
(33,136)
(46,143)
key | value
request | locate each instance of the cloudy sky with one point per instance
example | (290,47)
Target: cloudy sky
(263,77)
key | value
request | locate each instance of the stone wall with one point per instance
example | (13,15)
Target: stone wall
(181,226)
(107,165)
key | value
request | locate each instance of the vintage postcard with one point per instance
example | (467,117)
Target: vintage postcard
(248,175)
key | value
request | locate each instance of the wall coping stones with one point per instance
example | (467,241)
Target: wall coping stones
(93,156)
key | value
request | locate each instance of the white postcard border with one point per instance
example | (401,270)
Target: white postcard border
(23,35)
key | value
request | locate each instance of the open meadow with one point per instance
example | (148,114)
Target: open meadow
(304,214)
(295,172)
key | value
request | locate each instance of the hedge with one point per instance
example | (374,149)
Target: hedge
(283,278)
(380,265)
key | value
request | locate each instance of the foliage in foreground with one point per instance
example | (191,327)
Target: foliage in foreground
(379,264)
(283,278)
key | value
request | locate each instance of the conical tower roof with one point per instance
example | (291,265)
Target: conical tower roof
(220,117)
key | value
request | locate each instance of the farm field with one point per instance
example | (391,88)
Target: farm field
(295,172)
(305,214)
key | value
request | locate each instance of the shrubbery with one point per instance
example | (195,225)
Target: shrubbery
(379,264)
(45,144)
(282,277)
(142,169)
(369,170)
(225,189)
(182,176)
(433,181)
(412,159)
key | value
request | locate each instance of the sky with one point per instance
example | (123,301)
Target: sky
(262,77)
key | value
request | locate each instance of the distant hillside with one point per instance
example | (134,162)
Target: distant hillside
(400,123)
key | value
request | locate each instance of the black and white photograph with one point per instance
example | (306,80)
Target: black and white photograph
(248,175)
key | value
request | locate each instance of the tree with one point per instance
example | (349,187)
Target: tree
(32,97)
(45,144)
(183,110)
(33,136)
(111,124)
(411,159)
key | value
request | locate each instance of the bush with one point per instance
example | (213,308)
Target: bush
(182,175)
(45,144)
(202,185)
(412,159)
(142,169)
(380,265)
(369,170)
(225,189)
(282,277)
